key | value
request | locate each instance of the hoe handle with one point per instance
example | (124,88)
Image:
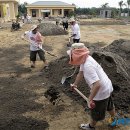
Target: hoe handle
(41,49)
(82,95)
(92,104)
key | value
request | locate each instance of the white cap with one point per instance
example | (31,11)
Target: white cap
(78,45)
(72,20)
(33,27)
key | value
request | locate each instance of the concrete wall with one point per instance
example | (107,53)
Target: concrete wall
(54,12)
(11,10)
(105,13)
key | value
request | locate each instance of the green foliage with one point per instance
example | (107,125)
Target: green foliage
(22,9)
(72,14)
(105,5)
(17,16)
(128,2)
(87,11)
(114,13)
(96,11)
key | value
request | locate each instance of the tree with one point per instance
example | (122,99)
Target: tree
(105,5)
(71,14)
(128,2)
(22,8)
(121,4)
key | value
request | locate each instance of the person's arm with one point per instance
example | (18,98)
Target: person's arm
(93,80)
(94,90)
(23,36)
(76,30)
(39,38)
(73,35)
(79,77)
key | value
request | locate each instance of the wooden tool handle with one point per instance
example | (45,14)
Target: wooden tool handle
(82,95)
(40,48)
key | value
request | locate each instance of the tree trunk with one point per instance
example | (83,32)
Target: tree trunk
(120,12)
(128,11)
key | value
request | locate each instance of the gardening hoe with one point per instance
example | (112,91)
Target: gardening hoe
(41,48)
(92,105)
(66,79)
(81,94)
(48,52)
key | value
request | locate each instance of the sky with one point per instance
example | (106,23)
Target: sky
(84,3)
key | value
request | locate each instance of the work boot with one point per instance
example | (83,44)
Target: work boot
(32,66)
(46,67)
(86,127)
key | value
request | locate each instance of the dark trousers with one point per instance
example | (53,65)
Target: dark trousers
(76,40)
(65,26)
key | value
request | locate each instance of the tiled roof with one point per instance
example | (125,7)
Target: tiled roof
(50,3)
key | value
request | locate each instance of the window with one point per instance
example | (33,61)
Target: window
(60,11)
(102,12)
(53,12)
(33,13)
(0,12)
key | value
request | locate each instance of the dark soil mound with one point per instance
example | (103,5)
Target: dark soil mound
(22,123)
(52,94)
(120,47)
(115,61)
(48,29)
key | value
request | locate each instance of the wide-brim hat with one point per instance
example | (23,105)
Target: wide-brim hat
(33,27)
(71,20)
(78,53)
(76,46)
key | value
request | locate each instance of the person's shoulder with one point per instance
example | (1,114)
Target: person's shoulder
(39,33)
(88,61)
(91,62)
(77,24)
(28,32)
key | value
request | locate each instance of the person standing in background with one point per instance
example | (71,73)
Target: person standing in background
(75,31)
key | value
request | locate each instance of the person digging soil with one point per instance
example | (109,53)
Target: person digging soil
(35,46)
(98,81)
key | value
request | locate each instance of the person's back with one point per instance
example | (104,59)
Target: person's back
(93,72)
(17,25)
(100,99)
(64,20)
(76,30)
(13,25)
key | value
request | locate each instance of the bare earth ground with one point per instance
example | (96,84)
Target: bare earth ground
(22,104)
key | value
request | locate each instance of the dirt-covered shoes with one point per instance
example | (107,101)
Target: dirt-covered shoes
(32,66)
(46,67)
(86,127)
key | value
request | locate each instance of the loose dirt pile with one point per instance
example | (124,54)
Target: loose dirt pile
(52,94)
(48,29)
(115,59)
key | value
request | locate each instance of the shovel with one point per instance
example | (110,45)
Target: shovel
(39,47)
(66,79)
(92,105)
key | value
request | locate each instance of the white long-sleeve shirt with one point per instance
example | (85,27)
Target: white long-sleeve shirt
(76,30)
